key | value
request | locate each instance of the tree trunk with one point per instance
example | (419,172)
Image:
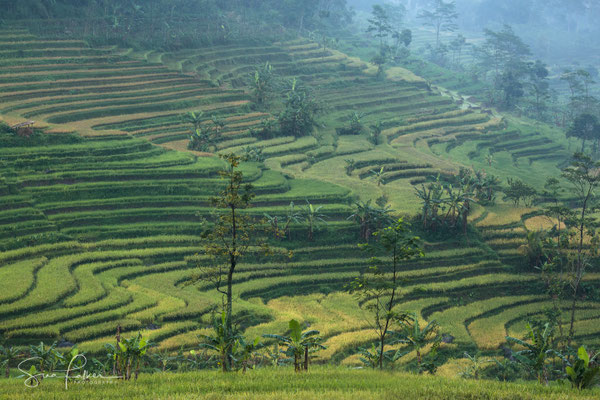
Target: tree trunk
(306,358)
(573,309)
(137,369)
(232,265)
(381,347)
(128,374)
(118,337)
(580,267)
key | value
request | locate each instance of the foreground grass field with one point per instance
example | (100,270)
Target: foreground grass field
(323,383)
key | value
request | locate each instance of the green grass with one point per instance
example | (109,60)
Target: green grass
(321,382)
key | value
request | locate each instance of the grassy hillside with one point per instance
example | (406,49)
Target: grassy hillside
(267,383)
(95,226)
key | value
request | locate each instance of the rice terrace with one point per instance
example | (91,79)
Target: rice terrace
(331,199)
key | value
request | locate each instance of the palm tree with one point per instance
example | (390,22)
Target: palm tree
(299,344)
(313,218)
(417,338)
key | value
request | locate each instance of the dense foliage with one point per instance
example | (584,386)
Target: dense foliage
(176,24)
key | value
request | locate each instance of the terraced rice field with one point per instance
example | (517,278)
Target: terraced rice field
(95,228)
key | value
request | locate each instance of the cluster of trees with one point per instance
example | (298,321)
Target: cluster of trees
(516,80)
(205,132)
(582,113)
(123,360)
(298,115)
(504,60)
(446,205)
(441,16)
(309,215)
(301,109)
(177,23)
(387,25)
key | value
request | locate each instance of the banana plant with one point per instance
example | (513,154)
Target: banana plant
(350,166)
(535,355)
(432,200)
(195,118)
(218,125)
(222,341)
(244,351)
(197,361)
(370,218)
(292,216)
(299,344)
(476,364)
(263,83)
(585,372)
(378,176)
(128,355)
(74,360)
(417,338)
(273,221)
(163,359)
(313,218)
(376,131)
(272,356)
(370,357)
(47,357)
(8,355)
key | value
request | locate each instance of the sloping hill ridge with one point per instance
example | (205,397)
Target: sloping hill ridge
(95,228)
